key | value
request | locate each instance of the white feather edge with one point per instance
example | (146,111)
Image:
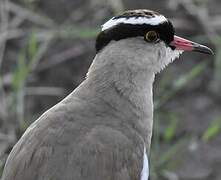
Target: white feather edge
(134,20)
(145,170)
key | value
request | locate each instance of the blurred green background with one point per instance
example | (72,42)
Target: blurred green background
(46,48)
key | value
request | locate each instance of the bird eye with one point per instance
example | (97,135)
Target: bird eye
(151,36)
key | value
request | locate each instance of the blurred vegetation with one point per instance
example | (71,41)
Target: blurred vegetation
(32,34)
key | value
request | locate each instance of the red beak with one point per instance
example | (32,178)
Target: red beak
(186,45)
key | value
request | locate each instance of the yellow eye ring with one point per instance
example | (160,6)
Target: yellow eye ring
(151,36)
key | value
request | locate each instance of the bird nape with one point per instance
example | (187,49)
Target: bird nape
(103,129)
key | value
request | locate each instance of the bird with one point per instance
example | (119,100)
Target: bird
(103,129)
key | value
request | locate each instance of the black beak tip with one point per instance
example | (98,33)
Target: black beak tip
(203,49)
(211,52)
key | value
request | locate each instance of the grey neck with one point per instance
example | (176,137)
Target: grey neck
(118,80)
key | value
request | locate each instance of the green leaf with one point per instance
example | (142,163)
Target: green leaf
(213,129)
(170,130)
(180,83)
(20,72)
(25,60)
(32,46)
(195,71)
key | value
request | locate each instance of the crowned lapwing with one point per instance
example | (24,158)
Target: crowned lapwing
(102,130)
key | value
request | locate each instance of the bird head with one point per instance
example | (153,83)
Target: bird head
(148,35)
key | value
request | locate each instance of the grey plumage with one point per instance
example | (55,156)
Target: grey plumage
(101,129)
(98,130)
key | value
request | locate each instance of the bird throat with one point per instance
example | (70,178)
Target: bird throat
(126,90)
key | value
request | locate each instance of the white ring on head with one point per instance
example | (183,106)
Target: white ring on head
(134,20)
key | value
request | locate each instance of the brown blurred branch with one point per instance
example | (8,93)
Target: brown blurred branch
(10,34)
(3,27)
(116,5)
(62,57)
(201,14)
(24,13)
(44,91)
(52,61)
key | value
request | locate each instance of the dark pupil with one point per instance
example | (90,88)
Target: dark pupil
(152,36)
